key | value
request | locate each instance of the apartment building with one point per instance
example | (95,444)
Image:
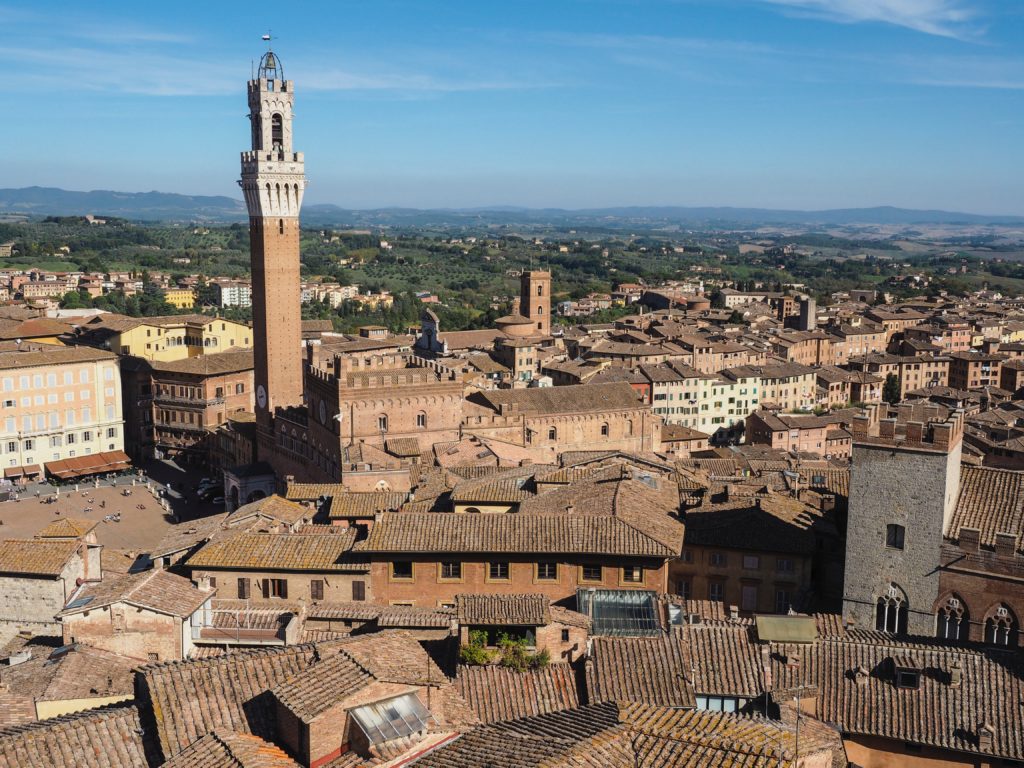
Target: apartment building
(58,404)
(165,338)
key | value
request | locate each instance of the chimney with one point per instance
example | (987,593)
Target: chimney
(570,508)
(915,431)
(734,613)
(986,736)
(860,675)
(1006,544)
(956,675)
(887,428)
(970,539)
(859,428)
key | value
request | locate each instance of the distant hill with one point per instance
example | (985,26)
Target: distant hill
(149,206)
(155,206)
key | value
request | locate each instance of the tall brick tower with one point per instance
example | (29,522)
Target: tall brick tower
(273,181)
(535,300)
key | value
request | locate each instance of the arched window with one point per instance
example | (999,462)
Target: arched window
(421,420)
(951,619)
(552,433)
(540,310)
(604,430)
(1001,626)
(891,615)
(382,423)
(276,131)
(540,290)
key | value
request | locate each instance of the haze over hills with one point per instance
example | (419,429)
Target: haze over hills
(155,206)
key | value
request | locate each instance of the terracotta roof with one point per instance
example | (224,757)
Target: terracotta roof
(579,398)
(281,552)
(613,735)
(184,536)
(508,490)
(208,364)
(53,355)
(449,532)
(223,749)
(354,663)
(728,662)
(503,610)
(498,693)
(56,672)
(36,557)
(772,524)
(402,446)
(157,590)
(355,504)
(273,507)
(188,699)
(313,491)
(110,737)
(652,670)
(67,528)
(393,616)
(991,500)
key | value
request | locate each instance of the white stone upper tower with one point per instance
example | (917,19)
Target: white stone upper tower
(273,176)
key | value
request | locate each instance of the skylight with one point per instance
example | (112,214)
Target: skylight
(392,719)
(620,612)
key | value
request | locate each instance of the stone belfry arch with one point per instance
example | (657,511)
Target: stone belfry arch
(273,182)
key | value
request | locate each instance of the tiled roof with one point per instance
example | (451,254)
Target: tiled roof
(354,663)
(579,398)
(312,491)
(223,749)
(530,609)
(36,557)
(935,713)
(110,737)
(835,481)
(402,446)
(56,672)
(728,662)
(488,491)
(449,532)
(184,536)
(393,616)
(317,688)
(653,670)
(157,590)
(991,500)
(188,699)
(208,364)
(498,693)
(773,524)
(273,507)
(280,551)
(613,735)
(53,355)
(353,504)
(67,528)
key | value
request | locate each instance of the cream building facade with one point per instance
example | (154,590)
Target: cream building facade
(57,404)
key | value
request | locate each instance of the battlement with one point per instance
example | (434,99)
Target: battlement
(920,426)
(257,160)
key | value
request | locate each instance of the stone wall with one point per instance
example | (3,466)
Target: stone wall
(903,486)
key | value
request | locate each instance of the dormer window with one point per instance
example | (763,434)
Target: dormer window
(906,671)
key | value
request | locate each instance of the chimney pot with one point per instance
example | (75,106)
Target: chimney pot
(970,539)
(1006,544)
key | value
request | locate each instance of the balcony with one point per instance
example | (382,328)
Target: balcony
(247,626)
(188,402)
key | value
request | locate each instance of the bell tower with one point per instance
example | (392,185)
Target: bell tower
(273,180)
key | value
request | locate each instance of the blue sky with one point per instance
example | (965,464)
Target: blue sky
(568,103)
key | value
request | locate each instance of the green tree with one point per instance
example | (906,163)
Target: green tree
(891,389)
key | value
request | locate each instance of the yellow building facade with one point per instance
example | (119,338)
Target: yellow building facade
(180,298)
(171,338)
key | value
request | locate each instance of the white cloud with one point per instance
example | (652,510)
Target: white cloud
(946,18)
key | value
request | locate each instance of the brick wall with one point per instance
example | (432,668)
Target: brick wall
(428,589)
(137,632)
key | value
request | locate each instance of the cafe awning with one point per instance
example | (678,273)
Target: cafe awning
(93,464)
(29,470)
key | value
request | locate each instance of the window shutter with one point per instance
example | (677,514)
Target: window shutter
(359,590)
(316,589)
(284,589)
(266,589)
(243,589)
